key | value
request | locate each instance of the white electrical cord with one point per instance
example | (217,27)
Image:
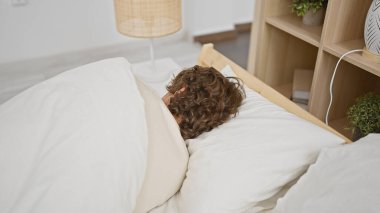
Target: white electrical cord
(332,82)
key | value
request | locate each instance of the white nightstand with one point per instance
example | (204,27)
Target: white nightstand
(157,79)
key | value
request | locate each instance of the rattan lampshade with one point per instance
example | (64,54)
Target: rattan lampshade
(148,18)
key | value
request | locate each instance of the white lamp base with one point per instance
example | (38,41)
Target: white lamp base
(370,56)
(166,68)
(154,74)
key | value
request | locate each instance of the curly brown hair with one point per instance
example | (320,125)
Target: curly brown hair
(208,99)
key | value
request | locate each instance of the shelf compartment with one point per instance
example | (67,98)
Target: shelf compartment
(282,54)
(341,125)
(338,49)
(285,89)
(350,82)
(345,20)
(293,25)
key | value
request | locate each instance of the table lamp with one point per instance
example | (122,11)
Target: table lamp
(148,19)
(372,32)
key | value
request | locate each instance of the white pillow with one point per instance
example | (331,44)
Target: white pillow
(227,71)
(249,158)
(344,179)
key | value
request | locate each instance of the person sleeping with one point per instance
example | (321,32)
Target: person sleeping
(201,98)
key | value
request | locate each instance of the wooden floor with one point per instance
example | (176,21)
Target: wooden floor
(236,49)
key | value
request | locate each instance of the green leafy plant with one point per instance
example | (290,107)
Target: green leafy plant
(365,114)
(300,7)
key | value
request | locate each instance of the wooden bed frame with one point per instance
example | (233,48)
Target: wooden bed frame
(210,57)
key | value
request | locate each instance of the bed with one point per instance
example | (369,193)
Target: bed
(211,57)
(96,139)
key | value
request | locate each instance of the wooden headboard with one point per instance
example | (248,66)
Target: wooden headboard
(211,57)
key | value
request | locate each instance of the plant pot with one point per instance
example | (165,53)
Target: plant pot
(313,19)
(356,134)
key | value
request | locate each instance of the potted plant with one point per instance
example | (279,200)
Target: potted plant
(364,115)
(312,11)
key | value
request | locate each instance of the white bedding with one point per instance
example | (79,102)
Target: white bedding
(77,143)
(344,179)
(241,165)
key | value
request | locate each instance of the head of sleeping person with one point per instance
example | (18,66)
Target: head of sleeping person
(201,98)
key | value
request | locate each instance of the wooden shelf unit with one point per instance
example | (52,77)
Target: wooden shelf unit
(293,25)
(338,49)
(280,43)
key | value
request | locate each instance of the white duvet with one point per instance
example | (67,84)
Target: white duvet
(75,143)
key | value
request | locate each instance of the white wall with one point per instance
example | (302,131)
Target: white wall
(209,16)
(47,27)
